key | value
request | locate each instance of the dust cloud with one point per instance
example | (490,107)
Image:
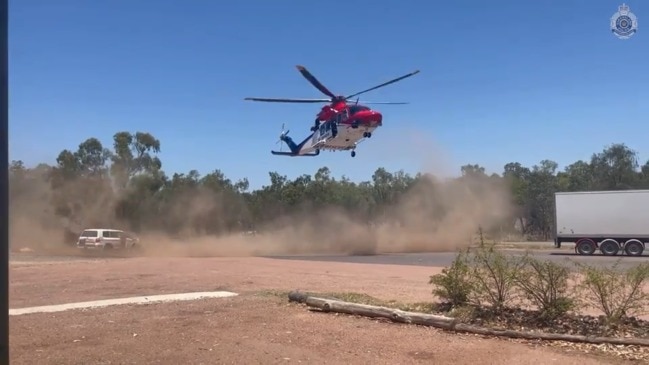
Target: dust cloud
(436,215)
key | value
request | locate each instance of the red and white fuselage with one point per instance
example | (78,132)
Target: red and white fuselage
(342,127)
(338,126)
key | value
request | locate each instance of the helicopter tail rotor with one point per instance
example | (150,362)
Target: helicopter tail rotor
(282,137)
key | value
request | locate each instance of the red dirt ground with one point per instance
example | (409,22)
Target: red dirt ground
(251,328)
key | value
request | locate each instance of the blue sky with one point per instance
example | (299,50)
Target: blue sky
(500,81)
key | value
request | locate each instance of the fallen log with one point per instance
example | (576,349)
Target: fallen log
(449,323)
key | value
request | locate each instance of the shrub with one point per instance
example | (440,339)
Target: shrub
(546,285)
(454,283)
(493,274)
(617,293)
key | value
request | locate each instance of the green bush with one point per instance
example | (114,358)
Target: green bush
(493,274)
(617,293)
(486,276)
(454,283)
(477,276)
(546,285)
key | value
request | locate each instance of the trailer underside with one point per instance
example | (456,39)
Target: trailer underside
(609,245)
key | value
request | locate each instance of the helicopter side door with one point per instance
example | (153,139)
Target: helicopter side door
(335,122)
(341,116)
(323,133)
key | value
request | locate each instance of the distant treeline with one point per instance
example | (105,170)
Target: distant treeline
(126,186)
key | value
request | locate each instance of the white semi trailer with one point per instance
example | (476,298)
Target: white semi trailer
(608,221)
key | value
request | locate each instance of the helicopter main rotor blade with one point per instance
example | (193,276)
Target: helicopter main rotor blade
(383,84)
(314,81)
(382,102)
(283,100)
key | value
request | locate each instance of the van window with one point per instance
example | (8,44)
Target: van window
(89,233)
(110,234)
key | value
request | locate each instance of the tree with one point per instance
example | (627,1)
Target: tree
(127,186)
(134,154)
(615,168)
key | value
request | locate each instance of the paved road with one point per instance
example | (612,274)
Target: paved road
(445,258)
(418,259)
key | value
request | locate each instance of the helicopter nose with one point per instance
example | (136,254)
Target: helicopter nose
(375,118)
(369,118)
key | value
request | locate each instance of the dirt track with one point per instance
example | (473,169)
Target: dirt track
(250,328)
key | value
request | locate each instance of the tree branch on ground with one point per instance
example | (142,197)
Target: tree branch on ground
(446,323)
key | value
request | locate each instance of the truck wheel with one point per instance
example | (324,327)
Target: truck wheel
(609,247)
(633,248)
(585,246)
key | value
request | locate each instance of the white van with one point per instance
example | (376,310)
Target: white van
(102,238)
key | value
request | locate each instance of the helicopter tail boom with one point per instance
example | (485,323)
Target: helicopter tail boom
(317,152)
(294,147)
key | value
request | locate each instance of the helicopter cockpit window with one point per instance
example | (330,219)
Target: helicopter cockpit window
(357,108)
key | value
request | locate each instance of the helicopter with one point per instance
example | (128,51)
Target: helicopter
(338,126)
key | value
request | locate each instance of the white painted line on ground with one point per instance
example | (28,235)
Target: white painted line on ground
(121,301)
